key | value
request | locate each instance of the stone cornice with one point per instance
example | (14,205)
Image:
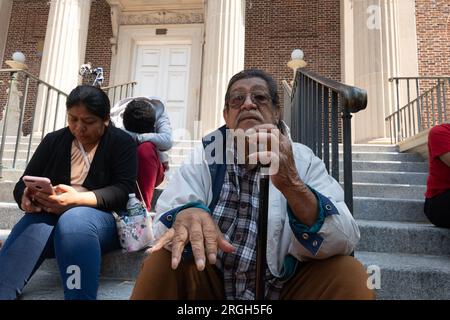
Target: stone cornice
(161,17)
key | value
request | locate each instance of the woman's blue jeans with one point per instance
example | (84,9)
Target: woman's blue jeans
(77,239)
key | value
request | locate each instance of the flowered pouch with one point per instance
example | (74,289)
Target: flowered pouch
(135,232)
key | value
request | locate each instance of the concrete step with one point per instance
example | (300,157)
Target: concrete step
(22,139)
(46,285)
(385,156)
(372,148)
(8,163)
(404,237)
(392,166)
(177,159)
(406,276)
(411,178)
(186,143)
(11,174)
(10,214)
(380,190)
(385,209)
(6,191)
(21,154)
(116,264)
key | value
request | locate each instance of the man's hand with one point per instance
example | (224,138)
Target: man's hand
(196,226)
(283,172)
(28,203)
(65,198)
(278,154)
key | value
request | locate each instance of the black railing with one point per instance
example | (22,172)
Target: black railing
(120,91)
(28,90)
(425,106)
(25,93)
(318,108)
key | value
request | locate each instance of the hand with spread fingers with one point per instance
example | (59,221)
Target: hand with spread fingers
(197,227)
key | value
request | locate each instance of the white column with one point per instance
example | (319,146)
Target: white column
(223,56)
(385,45)
(115,15)
(5,14)
(64,51)
(347,49)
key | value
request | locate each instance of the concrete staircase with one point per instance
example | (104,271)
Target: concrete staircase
(412,255)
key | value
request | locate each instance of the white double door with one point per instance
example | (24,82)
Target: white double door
(163,71)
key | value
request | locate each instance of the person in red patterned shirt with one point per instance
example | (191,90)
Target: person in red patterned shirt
(437,196)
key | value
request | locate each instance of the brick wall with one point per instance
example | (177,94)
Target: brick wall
(433,36)
(98,48)
(27,30)
(275,27)
(433,39)
(26,33)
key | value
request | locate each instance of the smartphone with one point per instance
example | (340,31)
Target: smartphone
(38,184)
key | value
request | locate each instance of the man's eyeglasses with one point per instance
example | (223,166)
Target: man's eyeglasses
(259,98)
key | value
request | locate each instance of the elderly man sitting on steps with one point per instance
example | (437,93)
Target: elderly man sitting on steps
(207,216)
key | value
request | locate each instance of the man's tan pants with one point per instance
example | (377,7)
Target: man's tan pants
(339,277)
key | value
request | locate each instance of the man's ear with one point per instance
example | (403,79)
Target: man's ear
(225,114)
(277,115)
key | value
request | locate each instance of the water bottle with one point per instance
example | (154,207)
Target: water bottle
(134,206)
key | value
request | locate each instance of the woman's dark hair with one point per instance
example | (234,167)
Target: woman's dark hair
(93,98)
(255,73)
(139,116)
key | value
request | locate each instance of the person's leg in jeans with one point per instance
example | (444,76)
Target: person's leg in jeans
(150,171)
(437,210)
(29,243)
(82,235)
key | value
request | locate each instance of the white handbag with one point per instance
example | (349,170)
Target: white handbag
(135,232)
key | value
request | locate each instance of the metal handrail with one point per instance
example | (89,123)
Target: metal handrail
(34,78)
(49,94)
(118,85)
(421,110)
(354,98)
(423,95)
(313,108)
(111,91)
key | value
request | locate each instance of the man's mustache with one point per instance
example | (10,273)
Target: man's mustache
(249,115)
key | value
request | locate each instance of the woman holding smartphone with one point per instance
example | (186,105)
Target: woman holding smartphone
(92,166)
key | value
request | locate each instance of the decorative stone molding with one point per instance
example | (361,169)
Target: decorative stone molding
(161,17)
(115,18)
